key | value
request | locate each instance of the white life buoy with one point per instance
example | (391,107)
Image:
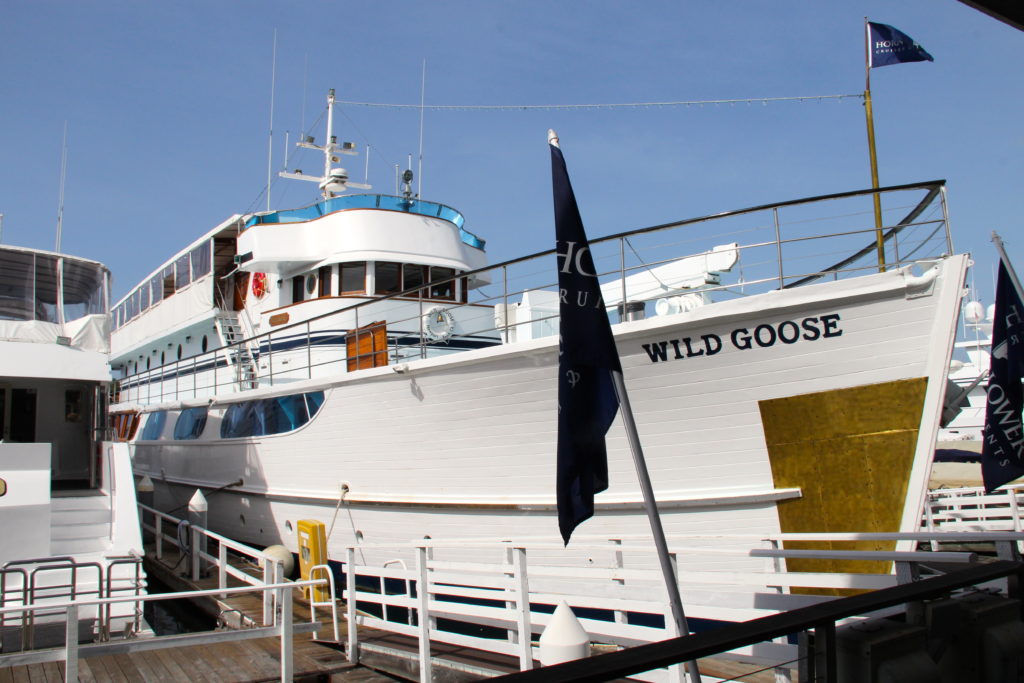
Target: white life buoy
(438,324)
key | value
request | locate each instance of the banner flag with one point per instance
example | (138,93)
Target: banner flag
(587,402)
(891,46)
(1002,452)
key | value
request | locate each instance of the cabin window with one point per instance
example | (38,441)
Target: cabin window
(464,287)
(200,257)
(168,279)
(156,290)
(443,290)
(388,277)
(297,289)
(182,275)
(190,423)
(325,281)
(267,416)
(352,277)
(154,426)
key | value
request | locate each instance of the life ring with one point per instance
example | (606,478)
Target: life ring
(259,285)
(438,324)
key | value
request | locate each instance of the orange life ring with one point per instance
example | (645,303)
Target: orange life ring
(259,284)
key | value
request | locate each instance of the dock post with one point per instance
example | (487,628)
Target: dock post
(423,593)
(350,604)
(197,514)
(71,644)
(284,600)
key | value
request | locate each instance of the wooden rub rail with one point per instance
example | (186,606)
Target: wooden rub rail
(821,617)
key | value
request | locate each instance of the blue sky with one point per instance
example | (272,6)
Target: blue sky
(168,112)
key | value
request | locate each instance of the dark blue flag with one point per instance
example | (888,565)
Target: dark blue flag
(587,402)
(891,46)
(1002,453)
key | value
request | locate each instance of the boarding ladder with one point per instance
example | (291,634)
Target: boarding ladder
(240,356)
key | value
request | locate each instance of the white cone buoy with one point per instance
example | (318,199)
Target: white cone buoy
(563,639)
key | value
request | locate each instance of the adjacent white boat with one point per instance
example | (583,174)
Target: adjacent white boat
(67,498)
(355,361)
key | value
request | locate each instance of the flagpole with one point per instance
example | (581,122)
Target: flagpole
(671,581)
(879,241)
(1006,262)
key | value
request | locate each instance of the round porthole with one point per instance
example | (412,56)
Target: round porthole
(179,351)
(288,525)
(147,362)
(204,343)
(310,283)
(162,358)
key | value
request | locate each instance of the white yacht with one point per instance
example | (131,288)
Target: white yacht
(67,499)
(357,361)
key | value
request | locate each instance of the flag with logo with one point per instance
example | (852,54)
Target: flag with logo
(587,402)
(1002,454)
(889,45)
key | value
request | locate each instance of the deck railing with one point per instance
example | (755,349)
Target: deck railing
(500,601)
(780,245)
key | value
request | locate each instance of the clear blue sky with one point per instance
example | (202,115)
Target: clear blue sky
(168,112)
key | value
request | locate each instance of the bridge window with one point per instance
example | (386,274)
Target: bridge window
(352,277)
(388,277)
(444,290)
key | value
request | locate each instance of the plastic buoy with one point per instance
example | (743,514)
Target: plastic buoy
(563,639)
(278,553)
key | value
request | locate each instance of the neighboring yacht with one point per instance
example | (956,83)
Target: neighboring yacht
(67,499)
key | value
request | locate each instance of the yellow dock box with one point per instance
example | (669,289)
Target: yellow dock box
(312,551)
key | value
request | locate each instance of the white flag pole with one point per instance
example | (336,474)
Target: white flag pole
(671,582)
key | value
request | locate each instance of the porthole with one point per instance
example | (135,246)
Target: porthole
(310,283)
(179,351)
(204,344)
(147,362)
(359,536)
(288,525)
(163,358)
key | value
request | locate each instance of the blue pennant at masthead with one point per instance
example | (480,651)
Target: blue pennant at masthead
(587,402)
(1002,454)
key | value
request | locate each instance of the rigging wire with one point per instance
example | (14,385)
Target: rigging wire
(610,105)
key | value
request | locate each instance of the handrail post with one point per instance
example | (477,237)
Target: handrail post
(309,353)
(423,593)
(504,299)
(350,604)
(284,599)
(523,610)
(268,598)
(270,359)
(71,644)
(222,568)
(778,245)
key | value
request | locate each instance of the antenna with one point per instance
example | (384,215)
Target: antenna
(334,180)
(270,138)
(423,92)
(1,228)
(60,193)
